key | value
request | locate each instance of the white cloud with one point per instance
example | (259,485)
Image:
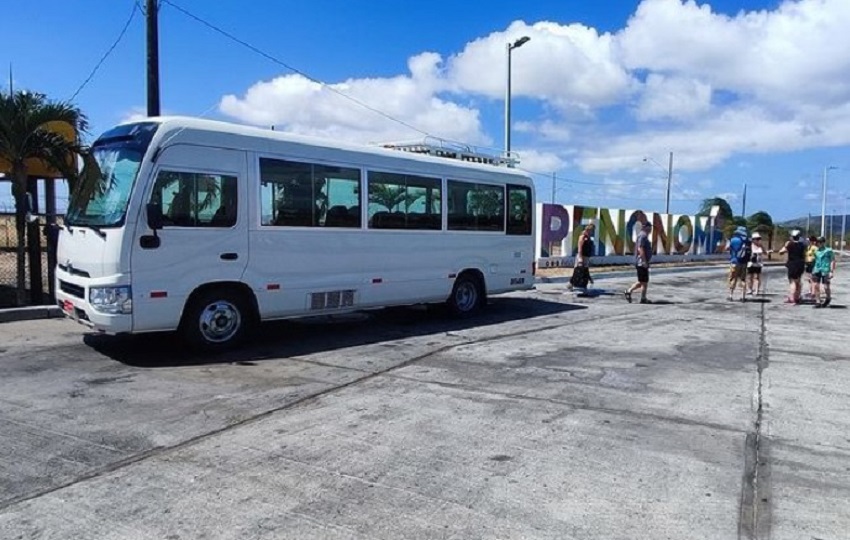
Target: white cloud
(678,77)
(775,55)
(362,110)
(540,162)
(674,98)
(135,114)
(564,65)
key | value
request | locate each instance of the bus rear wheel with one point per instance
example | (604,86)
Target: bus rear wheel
(216,319)
(467,296)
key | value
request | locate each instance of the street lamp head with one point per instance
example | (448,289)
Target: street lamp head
(520,42)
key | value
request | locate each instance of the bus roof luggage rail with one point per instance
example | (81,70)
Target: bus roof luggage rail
(434,146)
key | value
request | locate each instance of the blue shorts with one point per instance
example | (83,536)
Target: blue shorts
(820,277)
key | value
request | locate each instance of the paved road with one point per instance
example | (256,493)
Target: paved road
(550,417)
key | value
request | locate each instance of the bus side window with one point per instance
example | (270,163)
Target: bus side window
(225,216)
(519,210)
(196,200)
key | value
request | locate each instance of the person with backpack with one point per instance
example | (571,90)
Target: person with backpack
(823,272)
(740,251)
(586,249)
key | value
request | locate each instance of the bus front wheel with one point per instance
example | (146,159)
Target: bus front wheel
(467,296)
(216,319)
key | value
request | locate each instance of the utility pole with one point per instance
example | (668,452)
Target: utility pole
(553,188)
(152,15)
(669,181)
(744,203)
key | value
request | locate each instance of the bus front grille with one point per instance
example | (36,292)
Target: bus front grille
(73,290)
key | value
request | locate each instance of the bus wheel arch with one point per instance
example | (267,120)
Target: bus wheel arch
(469,293)
(219,315)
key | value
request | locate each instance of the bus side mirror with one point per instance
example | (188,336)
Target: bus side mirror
(154,211)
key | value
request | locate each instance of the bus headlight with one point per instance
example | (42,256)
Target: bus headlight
(114,300)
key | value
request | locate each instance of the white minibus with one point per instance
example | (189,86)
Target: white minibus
(209,228)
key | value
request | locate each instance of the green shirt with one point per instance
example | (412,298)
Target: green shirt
(823,260)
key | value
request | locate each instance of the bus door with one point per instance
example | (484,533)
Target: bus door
(204,238)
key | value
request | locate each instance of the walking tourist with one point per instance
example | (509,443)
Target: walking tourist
(643,254)
(739,255)
(581,270)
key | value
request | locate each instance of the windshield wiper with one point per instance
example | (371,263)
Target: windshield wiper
(97,230)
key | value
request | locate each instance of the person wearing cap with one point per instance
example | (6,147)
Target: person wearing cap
(795,265)
(823,272)
(754,265)
(739,255)
(643,254)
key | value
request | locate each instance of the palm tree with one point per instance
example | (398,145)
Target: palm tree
(707,204)
(26,135)
(726,220)
(762,223)
(391,196)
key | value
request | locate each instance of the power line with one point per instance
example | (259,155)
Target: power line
(562,179)
(293,69)
(108,51)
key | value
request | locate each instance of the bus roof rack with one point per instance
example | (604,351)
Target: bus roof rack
(433,146)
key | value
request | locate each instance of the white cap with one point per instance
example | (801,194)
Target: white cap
(756,235)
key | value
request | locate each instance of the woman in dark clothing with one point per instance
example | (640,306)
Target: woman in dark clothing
(796,265)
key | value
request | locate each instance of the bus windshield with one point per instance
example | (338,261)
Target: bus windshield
(109,173)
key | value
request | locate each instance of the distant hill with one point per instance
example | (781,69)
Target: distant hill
(814,224)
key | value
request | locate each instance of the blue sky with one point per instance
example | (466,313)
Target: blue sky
(754,92)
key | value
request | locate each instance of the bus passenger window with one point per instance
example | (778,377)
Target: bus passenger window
(519,210)
(300,194)
(476,207)
(403,201)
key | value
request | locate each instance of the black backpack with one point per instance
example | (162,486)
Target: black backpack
(587,248)
(745,252)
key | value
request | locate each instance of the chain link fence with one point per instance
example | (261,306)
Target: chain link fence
(8,263)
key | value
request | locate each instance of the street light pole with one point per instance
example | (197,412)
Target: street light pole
(744,202)
(830,228)
(509,47)
(823,201)
(843,226)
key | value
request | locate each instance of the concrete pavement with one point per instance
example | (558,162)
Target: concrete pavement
(551,416)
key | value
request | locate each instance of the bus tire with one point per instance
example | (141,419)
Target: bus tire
(467,296)
(216,319)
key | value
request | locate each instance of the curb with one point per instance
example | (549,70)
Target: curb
(30,313)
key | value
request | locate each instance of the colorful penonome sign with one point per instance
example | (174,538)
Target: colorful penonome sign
(559,228)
